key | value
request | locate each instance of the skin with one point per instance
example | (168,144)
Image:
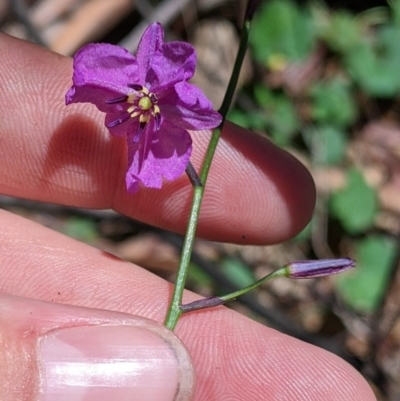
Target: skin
(257,194)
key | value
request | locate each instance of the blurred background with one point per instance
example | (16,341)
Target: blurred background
(322,79)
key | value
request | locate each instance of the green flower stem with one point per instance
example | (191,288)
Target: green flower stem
(174,310)
(277,273)
(216,301)
(230,91)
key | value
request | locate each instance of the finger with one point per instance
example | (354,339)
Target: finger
(234,358)
(256,193)
(54,352)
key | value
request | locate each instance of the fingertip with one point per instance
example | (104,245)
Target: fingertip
(60,352)
(257,192)
(260,363)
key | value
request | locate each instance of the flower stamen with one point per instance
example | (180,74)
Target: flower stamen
(137,88)
(121,119)
(143,105)
(120,99)
(139,132)
(157,118)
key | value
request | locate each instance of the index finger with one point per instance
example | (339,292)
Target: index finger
(256,193)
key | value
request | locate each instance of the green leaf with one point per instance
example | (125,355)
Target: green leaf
(371,55)
(364,287)
(199,277)
(280,116)
(281,30)
(239,117)
(375,66)
(395,8)
(305,233)
(328,144)
(333,103)
(238,272)
(351,32)
(251,120)
(356,205)
(81,229)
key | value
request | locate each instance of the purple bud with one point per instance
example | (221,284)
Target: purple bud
(318,268)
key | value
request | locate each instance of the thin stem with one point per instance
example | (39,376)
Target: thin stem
(174,310)
(216,301)
(230,91)
(192,175)
(277,273)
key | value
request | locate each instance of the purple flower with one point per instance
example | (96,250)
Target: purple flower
(147,100)
(318,268)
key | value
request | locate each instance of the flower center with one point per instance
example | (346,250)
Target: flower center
(145,103)
(144,106)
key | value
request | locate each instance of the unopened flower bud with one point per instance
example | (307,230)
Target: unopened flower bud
(318,268)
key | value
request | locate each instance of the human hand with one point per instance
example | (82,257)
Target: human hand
(256,194)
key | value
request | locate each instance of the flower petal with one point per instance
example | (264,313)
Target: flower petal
(101,72)
(175,62)
(159,154)
(187,107)
(162,64)
(150,43)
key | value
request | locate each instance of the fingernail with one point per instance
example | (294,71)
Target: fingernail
(114,363)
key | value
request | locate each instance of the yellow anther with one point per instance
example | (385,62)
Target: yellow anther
(144,118)
(131,98)
(143,105)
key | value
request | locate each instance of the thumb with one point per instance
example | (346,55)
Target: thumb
(55,352)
